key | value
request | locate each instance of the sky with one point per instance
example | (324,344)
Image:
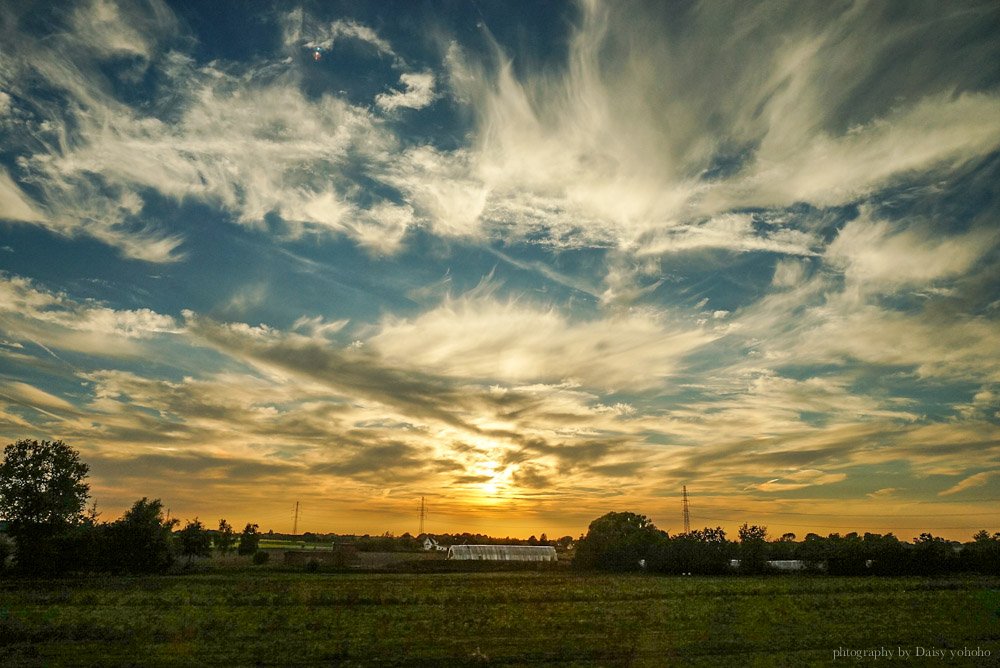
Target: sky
(533,262)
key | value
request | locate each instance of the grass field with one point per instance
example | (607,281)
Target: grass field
(280,618)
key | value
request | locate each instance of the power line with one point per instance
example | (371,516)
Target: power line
(842,526)
(837,514)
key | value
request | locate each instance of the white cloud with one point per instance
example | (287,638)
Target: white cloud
(824,170)
(109,28)
(244,138)
(324,36)
(53,319)
(621,148)
(14,204)
(317,326)
(418,93)
(480,337)
(440,189)
(626,141)
(732,232)
(955,346)
(30,395)
(876,257)
(973,481)
(788,273)
(799,480)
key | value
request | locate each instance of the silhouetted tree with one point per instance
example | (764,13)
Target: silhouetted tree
(753,548)
(564,542)
(225,537)
(141,541)
(249,540)
(42,496)
(704,552)
(617,542)
(195,540)
(934,555)
(783,548)
(982,555)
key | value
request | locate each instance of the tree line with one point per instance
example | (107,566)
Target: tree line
(43,497)
(49,529)
(407,542)
(625,541)
(44,494)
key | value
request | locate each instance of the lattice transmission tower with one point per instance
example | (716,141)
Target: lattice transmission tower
(687,514)
(423,515)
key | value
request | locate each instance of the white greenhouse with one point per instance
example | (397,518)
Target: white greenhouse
(502,552)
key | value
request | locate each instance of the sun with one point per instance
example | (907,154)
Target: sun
(496,480)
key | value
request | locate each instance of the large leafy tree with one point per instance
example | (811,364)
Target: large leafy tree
(617,542)
(43,493)
(42,483)
(142,540)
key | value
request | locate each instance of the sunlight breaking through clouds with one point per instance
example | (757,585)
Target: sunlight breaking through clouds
(533,266)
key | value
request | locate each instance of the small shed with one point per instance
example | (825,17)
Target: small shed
(502,552)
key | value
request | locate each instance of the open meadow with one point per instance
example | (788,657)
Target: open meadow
(273,617)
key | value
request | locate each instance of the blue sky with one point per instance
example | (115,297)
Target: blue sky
(532,261)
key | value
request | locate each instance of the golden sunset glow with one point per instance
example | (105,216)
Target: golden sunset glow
(532,266)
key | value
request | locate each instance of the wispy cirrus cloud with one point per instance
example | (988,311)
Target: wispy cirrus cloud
(482,337)
(972,482)
(750,249)
(34,314)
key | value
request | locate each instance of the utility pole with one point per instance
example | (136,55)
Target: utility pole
(687,515)
(423,514)
(295,525)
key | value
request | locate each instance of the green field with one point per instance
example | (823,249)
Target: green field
(281,618)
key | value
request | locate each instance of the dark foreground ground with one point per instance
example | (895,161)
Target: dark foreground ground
(273,618)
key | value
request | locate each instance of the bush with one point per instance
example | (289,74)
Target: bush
(261,558)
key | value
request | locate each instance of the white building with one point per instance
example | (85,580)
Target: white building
(777,564)
(503,552)
(431,545)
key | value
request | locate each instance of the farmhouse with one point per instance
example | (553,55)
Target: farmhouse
(503,552)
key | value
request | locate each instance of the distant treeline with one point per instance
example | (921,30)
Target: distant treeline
(630,542)
(43,495)
(407,542)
